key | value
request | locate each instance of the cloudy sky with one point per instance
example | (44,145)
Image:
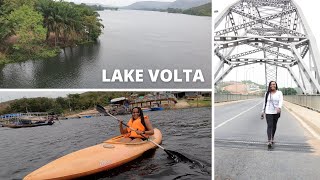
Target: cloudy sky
(6,95)
(114,2)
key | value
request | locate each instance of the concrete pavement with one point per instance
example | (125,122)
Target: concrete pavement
(240,143)
(310,120)
(309,117)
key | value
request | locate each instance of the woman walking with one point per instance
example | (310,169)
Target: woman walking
(272,105)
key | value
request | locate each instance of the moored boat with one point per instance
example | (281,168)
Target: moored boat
(146,109)
(105,156)
(157,108)
(24,125)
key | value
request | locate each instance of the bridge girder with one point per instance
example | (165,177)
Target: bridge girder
(278,29)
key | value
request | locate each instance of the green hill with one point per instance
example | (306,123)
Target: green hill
(203,10)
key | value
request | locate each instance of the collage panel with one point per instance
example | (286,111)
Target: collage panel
(106,89)
(105,44)
(266,89)
(85,135)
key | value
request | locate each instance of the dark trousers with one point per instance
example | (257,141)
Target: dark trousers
(272,120)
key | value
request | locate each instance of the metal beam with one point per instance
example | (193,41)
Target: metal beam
(280,18)
(268,1)
(223,14)
(220,66)
(314,52)
(272,52)
(305,69)
(296,79)
(250,23)
(291,39)
(275,60)
(225,73)
(266,22)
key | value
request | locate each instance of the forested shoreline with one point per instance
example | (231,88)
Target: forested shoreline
(73,102)
(203,10)
(34,29)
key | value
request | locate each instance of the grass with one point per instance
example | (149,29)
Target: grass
(199,103)
(3,59)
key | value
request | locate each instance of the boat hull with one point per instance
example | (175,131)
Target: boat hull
(94,159)
(25,125)
(157,108)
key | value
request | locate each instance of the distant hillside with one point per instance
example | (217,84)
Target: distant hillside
(243,87)
(101,8)
(187,4)
(5,105)
(155,5)
(148,5)
(203,10)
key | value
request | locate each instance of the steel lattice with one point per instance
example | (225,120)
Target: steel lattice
(273,32)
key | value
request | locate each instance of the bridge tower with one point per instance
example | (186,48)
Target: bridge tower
(273,32)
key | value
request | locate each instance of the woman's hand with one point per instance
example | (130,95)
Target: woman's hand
(139,132)
(278,110)
(122,131)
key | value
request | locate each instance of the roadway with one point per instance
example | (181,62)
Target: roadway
(241,151)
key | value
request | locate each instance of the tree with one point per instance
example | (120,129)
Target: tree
(69,22)
(27,25)
(288,91)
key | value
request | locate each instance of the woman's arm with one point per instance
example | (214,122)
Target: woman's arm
(264,102)
(280,99)
(122,130)
(149,130)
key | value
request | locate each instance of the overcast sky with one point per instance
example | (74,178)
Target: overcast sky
(310,9)
(114,2)
(6,95)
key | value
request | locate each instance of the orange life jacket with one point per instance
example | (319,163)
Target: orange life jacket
(137,125)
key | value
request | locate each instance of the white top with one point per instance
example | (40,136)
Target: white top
(274,101)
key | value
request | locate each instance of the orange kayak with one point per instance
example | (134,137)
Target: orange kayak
(94,159)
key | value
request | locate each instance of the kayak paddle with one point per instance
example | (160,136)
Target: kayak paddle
(177,157)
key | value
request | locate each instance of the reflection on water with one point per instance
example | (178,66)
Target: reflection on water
(186,131)
(130,40)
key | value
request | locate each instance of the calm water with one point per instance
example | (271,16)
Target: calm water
(187,131)
(131,40)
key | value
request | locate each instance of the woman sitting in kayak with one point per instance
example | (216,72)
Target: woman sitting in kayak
(139,122)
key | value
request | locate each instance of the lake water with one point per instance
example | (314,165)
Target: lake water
(130,40)
(187,131)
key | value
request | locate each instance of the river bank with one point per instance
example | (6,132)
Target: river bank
(151,40)
(43,27)
(181,104)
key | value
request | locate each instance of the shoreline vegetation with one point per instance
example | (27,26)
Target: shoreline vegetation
(39,29)
(181,104)
(35,29)
(75,105)
(203,10)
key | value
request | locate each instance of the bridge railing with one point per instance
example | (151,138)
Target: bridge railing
(232,97)
(309,101)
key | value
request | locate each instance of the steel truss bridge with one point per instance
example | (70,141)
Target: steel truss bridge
(273,32)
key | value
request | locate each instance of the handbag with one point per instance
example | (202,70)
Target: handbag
(279,114)
(265,104)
